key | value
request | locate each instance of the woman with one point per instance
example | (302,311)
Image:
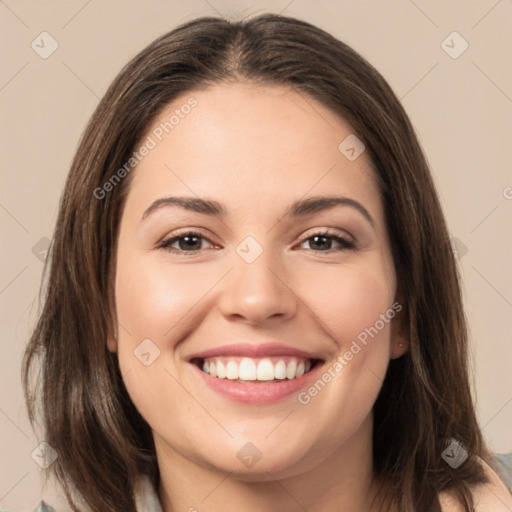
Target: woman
(252,299)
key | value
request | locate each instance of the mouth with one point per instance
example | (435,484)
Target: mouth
(256,370)
(256,381)
(261,373)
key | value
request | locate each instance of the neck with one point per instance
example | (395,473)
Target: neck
(341,481)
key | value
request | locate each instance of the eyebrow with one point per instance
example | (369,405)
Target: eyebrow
(300,208)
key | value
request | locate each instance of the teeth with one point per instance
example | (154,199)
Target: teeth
(280,370)
(232,370)
(265,369)
(221,370)
(247,369)
(291,369)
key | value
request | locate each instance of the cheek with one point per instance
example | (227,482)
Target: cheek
(349,300)
(155,309)
(356,311)
(152,300)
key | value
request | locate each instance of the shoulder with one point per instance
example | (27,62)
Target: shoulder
(491,497)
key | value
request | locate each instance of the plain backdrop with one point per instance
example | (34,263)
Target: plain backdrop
(459,100)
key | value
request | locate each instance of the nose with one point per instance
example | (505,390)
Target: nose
(259,292)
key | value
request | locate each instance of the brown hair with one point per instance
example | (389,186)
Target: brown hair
(87,416)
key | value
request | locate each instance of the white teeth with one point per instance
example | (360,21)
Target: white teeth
(248,369)
(291,369)
(265,370)
(221,370)
(280,370)
(232,370)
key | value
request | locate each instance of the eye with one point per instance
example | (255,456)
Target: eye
(188,242)
(191,242)
(322,242)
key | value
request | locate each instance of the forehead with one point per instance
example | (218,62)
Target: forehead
(246,144)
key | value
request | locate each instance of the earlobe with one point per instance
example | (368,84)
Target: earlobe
(398,349)
(400,331)
(112,340)
(112,344)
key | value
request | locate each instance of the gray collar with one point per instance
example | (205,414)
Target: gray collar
(146,497)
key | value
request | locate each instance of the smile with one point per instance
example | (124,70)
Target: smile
(248,369)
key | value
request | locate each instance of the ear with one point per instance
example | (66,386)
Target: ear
(400,331)
(112,340)
(112,344)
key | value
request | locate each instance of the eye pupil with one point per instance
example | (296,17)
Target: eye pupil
(316,238)
(191,242)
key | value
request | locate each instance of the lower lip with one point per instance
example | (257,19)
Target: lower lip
(264,393)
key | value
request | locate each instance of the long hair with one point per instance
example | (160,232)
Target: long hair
(77,392)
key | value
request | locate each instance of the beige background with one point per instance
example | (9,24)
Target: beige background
(461,108)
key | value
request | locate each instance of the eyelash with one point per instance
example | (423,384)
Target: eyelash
(345,244)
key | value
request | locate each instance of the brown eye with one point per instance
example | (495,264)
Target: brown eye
(190,242)
(323,242)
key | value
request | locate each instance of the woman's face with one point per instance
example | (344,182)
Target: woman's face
(273,285)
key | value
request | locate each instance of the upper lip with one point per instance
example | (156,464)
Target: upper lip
(254,350)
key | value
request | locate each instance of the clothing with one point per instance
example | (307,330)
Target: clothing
(504,469)
(146,498)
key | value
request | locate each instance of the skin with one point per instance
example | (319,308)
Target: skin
(256,149)
(491,497)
